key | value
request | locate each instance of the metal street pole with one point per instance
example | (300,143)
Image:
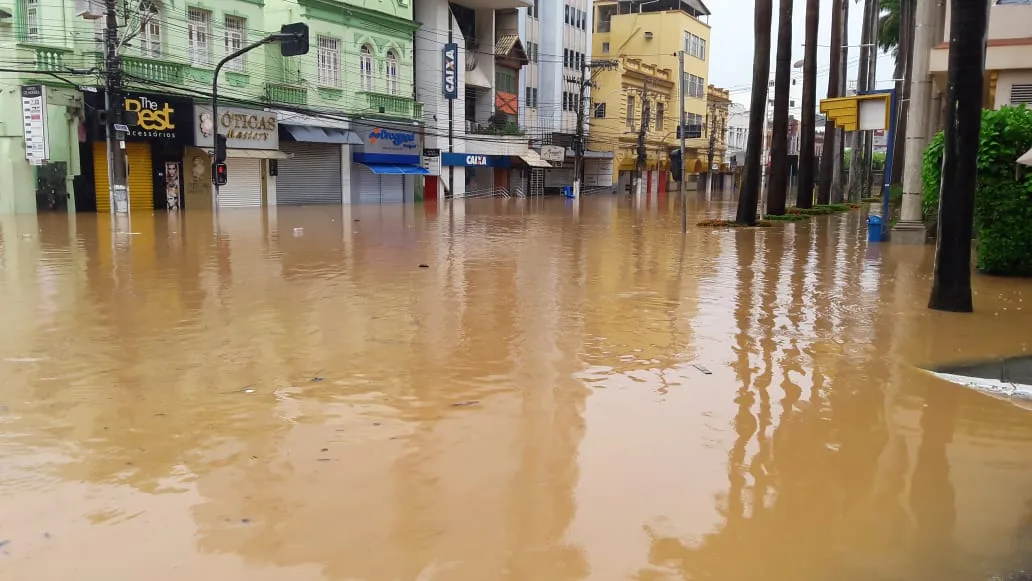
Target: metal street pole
(578,145)
(682,131)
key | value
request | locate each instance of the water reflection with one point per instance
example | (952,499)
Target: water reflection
(563,394)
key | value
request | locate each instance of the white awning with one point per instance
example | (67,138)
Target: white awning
(477,78)
(252,153)
(534,159)
(1026,159)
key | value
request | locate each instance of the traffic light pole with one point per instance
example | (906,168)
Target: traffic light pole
(294,42)
(683,130)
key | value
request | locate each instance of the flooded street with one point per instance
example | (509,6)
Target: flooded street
(560,395)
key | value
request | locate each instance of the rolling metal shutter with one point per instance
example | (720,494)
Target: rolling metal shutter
(310,176)
(366,184)
(392,188)
(243,187)
(141,177)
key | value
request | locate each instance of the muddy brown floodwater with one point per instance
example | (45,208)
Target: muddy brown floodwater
(560,396)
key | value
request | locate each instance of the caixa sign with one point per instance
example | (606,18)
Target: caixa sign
(473,160)
(450,82)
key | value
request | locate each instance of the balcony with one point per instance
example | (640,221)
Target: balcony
(390,105)
(154,70)
(49,59)
(286,94)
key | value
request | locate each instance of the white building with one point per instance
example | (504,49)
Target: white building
(737,134)
(557,35)
(469,61)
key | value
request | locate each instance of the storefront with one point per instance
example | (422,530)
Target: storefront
(483,172)
(318,170)
(252,149)
(387,163)
(154,150)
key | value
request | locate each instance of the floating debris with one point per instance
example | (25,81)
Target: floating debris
(463,404)
(317,379)
(424,266)
(702,369)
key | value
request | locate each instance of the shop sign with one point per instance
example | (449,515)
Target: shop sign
(450,66)
(243,128)
(473,160)
(555,153)
(158,117)
(34,123)
(387,139)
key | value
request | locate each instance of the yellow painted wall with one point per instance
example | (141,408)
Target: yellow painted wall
(627,43)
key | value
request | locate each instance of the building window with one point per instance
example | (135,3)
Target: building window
(599,110)
(236,39)
(198,31)
(365,63)
(605,18)
(505,80)
(702,49)
(33,31)
(566,16)
(605,47)
(150,29)
(659,116)
(535,95)
(533,10)
(392,72)
(695,46)
(328,61)
(630,111)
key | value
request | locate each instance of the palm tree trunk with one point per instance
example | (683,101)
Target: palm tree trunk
(750,194)
(804,193)
(951,287)
(779,138)
(906,53)
(830,150)
(839,169)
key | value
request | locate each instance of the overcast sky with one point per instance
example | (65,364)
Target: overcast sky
(731,45)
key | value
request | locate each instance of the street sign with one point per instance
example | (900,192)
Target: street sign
(450,82)
(121,127)
(34,123)
(431,152)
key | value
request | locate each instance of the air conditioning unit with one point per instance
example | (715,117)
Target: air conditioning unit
(89,9)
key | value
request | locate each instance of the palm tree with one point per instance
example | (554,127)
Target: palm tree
(951,287)
(750,194)
(779,137)
(804,193)
(830,150)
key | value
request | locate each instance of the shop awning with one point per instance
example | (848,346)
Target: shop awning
(384,168)
(252,153)
(1026,158)
(310,134)
(534,159)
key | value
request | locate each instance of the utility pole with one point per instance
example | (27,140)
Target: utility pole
(578,142)
(642,153)
(119,192)
(712,151)
(682,129)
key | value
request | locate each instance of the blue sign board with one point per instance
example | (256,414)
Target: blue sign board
(450,81)
(473,160)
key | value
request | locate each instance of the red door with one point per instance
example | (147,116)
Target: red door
(430,188)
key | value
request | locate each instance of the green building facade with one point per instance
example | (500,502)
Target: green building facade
(360,65)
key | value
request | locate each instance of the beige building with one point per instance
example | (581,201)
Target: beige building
(1008,62)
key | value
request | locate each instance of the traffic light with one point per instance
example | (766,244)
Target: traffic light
(219,175)
(676,164)
(220,148)
(293,39)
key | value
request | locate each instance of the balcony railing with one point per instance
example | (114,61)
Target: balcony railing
(391,105)
(287,94)
(153,70)
(49,59)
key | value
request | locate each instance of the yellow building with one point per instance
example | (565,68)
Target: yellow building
(644,39)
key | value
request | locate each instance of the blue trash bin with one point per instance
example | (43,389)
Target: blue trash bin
(568,191)
(874,229)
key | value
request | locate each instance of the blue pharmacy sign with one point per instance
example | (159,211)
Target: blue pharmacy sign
(450,68)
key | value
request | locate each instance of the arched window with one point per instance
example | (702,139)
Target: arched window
(392,72)
(150,28)
(366,67)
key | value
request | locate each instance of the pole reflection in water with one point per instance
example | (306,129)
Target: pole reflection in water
(566,393)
